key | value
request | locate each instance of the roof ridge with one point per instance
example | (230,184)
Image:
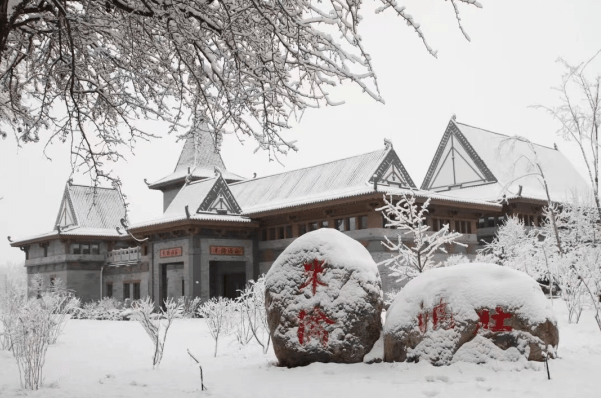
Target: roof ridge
(508,136)
(88,186)
(308,167)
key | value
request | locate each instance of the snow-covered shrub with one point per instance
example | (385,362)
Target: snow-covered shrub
(252,300)
(456,259)
(390,296)
(107,309)
(409,218)
(156,325)
(11,301)
(565,252)
(37,324)
(218,312)
(189,306)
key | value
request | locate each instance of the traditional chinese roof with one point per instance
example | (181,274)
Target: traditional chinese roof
(86,211)
(199,158)
(471,162)
(338,179)
(210,195)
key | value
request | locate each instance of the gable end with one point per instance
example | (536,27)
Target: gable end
(392,172)
(219,199)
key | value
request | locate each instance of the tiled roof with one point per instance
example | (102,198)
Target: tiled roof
(508,161)
(190,195)
(308,184)
(96,207)
(74,231)
(171,218)
(198,157)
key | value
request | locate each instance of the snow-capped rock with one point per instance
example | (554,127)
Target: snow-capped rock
(323,299)
(449,311)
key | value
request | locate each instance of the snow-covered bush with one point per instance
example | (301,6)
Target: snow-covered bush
(154,324)
(37,324)
(11,301)
(565,252)
(219,314)
(409,218)
(252,304)
(189,306)
(456,259)
(107,309)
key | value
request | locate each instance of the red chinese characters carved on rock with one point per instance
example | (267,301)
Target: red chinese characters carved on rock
(172,252)
(441,318)
(499,321)
(227,250)
(313,269)
(312,325)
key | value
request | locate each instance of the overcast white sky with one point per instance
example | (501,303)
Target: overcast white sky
(489,82)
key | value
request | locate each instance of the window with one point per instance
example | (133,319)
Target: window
(95,248)
(271,233)
(491,222)
(481,223)
(183,287)
(302,229)
(109,290)
(45,247)
(313,226)
(288,231)
(281,233)
(85,248)
(75,249)
(324,224)
(339,224)
(137,290)
(264,234)
(362,222)
(351,224)
(126,291)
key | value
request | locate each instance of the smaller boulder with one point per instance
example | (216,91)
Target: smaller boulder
(470,312)
(323,299)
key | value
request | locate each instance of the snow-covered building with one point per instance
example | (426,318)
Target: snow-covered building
(219,230)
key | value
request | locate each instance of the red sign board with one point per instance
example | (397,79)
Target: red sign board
(172,252)
(227,250)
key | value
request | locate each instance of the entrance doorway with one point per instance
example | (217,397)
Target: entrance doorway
(227,278)
(170,281)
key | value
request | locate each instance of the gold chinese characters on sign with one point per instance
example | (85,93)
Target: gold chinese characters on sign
(227,250)
(171,252)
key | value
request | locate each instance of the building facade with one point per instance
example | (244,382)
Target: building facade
(219,230)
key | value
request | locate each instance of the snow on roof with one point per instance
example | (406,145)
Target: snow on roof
(200,157)
(171,218)
(95,207)
(509,161)
(337,179)
(86,211)
(190,195)
(74,231)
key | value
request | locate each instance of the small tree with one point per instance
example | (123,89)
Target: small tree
(157,325)
(218,312)
(253,305)
(409,218)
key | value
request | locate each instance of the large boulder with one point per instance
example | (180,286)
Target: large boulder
(470,312)
(323,299)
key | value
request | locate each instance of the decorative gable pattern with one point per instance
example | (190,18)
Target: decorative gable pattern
(392,172)
(66,214)
(456,164)
(220,199)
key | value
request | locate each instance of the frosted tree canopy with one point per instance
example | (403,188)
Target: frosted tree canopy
(83,71)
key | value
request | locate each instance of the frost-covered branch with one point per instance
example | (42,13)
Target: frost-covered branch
(83,72)
(409,218)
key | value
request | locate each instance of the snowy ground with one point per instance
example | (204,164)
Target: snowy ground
(113,359)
